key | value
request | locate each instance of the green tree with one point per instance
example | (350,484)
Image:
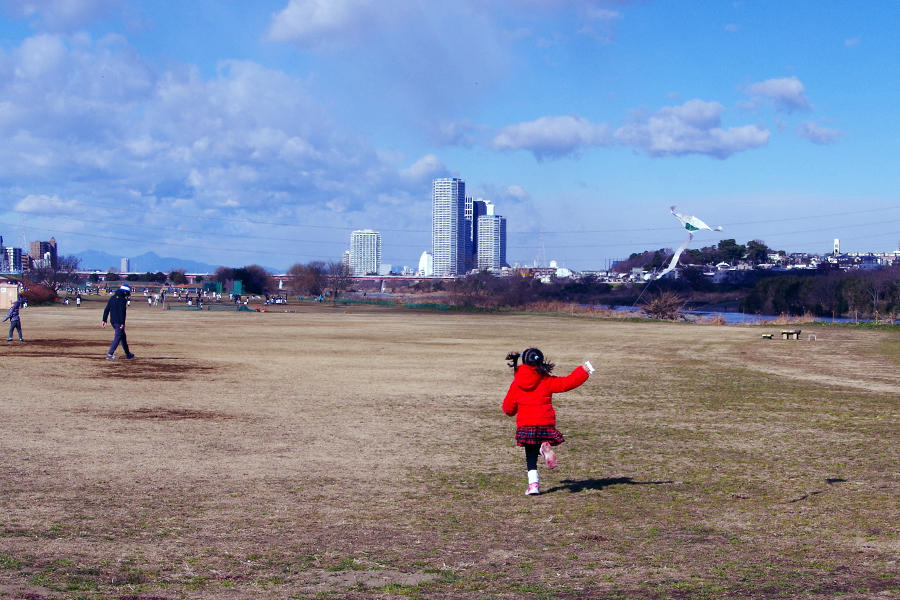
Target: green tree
(178,277)
(731,251)
(112,276)
(256,279)
(758,252)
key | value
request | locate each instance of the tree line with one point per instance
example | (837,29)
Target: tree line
(831,293)
(727,251)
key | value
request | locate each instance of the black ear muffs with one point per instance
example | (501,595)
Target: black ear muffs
(532,357)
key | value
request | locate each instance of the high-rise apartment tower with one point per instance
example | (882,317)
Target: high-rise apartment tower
(448,226)
(365,252)
(491,241)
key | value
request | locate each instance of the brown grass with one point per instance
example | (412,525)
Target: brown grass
(360,452)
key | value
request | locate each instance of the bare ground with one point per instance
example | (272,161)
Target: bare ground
(361,453)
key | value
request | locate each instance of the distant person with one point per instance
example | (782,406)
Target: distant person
(78,301)
(115,310)
(15,323)
(529,399)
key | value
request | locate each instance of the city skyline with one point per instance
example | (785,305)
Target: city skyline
(236,134)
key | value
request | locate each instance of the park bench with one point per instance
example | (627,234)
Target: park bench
(788,334)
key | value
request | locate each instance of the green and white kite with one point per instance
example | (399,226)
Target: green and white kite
(692,224)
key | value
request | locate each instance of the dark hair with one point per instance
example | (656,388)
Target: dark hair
(533,358)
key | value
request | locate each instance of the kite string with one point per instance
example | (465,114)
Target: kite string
(672,264)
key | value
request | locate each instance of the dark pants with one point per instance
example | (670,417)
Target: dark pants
(15,324)
(119,336)
(531,455)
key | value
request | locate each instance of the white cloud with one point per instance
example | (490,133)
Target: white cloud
(326,23)
(59,15)
(787,93)
(851,42)
(43,204)
(732,28)
(553,137)
(692,128)
(425,169)
(817,134)
(90,121)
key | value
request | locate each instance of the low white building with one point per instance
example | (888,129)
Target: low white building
(426,265)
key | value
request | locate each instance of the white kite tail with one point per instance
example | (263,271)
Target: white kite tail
(674,262)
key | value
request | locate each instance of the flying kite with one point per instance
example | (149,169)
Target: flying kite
(692,224)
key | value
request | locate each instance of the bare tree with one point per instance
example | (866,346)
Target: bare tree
(667,305)
(308,280)
(338,278)
(56,276)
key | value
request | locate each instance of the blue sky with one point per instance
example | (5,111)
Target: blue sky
(265,132)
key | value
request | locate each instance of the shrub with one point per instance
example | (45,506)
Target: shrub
(39,294)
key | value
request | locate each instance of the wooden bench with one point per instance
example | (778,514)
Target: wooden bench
(788,334)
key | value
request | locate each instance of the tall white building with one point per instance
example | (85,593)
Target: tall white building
(491,241)
(426,264)
(365,252)
(126,266)
(448,226)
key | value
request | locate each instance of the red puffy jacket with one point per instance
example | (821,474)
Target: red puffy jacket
(530,395)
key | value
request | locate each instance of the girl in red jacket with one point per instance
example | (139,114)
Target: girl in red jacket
(530,399)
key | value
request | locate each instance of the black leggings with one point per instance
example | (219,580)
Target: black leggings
(531,455)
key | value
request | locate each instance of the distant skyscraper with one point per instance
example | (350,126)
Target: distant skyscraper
(126,266)
(474,209)
(13,259)
(40,251)
(491,241)
(448,226)
(365,252)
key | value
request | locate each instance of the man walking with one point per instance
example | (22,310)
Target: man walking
(15,323)
(115,311)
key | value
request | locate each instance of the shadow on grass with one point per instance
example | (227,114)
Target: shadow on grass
(575,486)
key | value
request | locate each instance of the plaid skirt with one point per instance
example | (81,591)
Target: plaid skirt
(538,434)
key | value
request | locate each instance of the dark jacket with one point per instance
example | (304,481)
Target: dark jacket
(13,314)
(115,308)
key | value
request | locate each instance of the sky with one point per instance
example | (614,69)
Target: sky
(265,132)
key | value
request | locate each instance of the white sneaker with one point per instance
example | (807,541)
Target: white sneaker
(111,357)
(533,489)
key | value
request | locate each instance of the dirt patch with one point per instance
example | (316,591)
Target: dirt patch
(165,368)
(167,414)
(56,343)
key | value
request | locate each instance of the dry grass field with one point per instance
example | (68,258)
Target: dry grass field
(361,453)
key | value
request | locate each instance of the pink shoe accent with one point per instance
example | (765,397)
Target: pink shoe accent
(549,455)
(533,489)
